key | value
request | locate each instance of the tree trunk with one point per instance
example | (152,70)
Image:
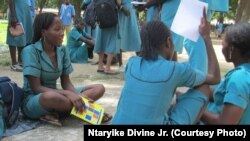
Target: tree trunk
(77,5)
(41,5)
(246,13)
(59,3)
(243,11)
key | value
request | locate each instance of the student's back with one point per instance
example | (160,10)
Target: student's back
(150,86)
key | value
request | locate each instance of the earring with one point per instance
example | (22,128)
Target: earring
(230,55)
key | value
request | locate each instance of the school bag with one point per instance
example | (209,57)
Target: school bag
(89,15)
(10,99)
(101,12)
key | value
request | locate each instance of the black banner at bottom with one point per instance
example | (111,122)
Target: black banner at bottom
(115,132)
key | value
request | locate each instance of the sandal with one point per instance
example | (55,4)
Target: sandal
(16,68)
(106,118)
(52,119)
(110,72)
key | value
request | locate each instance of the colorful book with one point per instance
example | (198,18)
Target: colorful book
(91,112)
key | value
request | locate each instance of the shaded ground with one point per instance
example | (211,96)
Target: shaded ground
(84,74)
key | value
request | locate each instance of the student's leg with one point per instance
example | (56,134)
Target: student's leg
(119,57)
(100,61)
(52,101)
(42,104)
(108,63)
(19,49)
(93,92)
(189,106)
(13,55)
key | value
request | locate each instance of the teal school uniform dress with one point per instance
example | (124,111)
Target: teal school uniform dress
(151,13)
(106,40)
(78,51)
(128,29)
(37,63)
(149,89)
(23,16)
(169,9)
(197,51)
(235,90)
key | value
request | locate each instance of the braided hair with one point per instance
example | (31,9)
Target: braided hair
(41,22)
(238,36)
(153,35)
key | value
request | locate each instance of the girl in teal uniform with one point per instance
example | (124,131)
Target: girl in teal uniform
(77,51)
(106,42)
(231,97)
(152,78)
(197,50)
(44,62)
(129,39)
(19,12)
(128,27)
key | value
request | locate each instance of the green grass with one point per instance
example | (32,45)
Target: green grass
(5,58)
(3,31)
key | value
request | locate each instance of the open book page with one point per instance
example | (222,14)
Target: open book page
(17,30)
(91,112)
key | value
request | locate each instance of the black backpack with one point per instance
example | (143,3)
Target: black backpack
(89,15)
(11,98)
(102,12)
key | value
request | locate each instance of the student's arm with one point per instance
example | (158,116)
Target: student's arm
(122,8)
(87,41)
(230,115)
(73,11)
(13,17)
(213,76)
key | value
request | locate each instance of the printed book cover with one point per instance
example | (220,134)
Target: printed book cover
(17,30)
(91,112)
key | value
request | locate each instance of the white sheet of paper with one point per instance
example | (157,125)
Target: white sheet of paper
(138,3)
(188,18)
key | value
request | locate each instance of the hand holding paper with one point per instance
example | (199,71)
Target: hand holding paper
(188,18)
(204,28)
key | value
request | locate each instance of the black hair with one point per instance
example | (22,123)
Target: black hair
(238,36)
(41,22)
(153,35)
(79,20)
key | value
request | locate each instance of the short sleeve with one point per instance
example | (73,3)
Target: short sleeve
(189,76)
(75,34)
(73,11)
(31,63)
(237,89)
(67,67)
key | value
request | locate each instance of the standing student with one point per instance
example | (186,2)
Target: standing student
(67,13)
(90,31)
(197,50)
(18,13)
(152,78)
(129,39)
(230,103)
(32,5)
(106,42)
(44,62)
(78,51)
